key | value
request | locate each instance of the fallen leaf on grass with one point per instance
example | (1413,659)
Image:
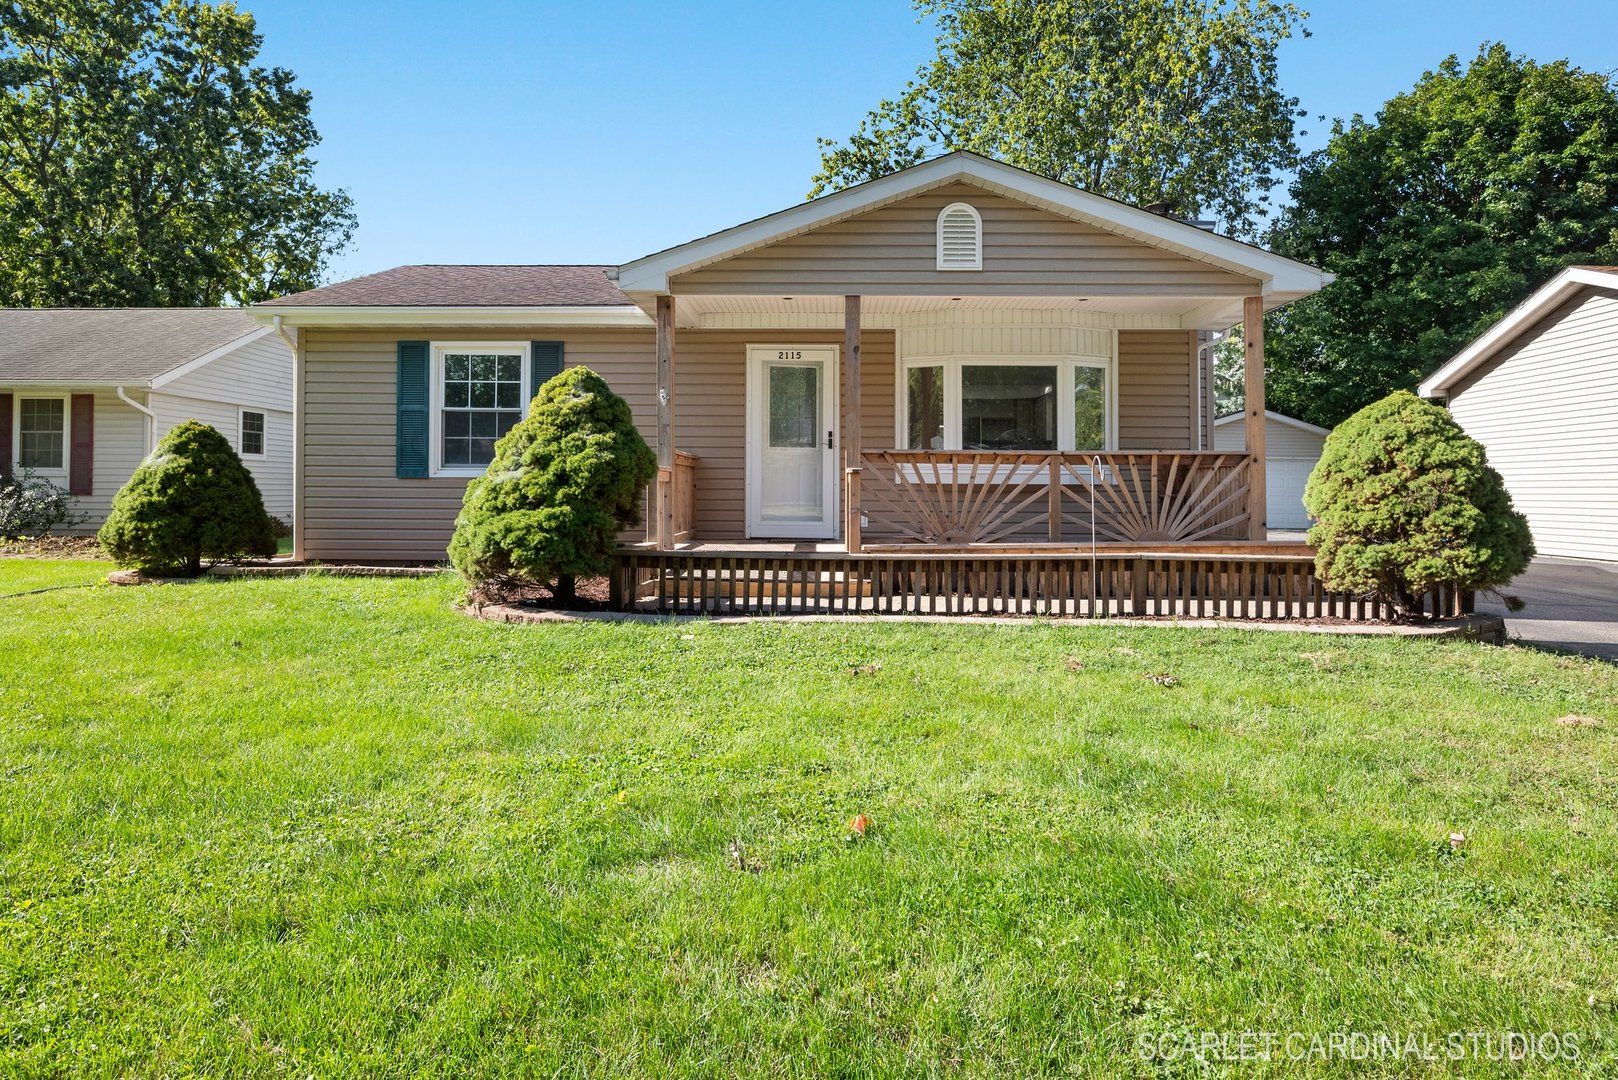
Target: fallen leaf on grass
(866,669)
(859,825)
(1574,720)
(1162,678)
(1457,840)
(739,859)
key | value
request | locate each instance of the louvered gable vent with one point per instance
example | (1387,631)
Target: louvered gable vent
(960,238)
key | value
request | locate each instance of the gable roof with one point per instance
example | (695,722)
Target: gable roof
(1282,279)
(109,346)
(1564,286)
(1279,418)
(447,285)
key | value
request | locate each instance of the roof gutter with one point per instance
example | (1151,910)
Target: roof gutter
(617,315)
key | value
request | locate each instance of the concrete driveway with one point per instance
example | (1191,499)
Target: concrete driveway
(1571,606)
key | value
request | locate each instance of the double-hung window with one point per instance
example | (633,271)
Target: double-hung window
(480,390)
(42,434)
(252,433)
(1028,404)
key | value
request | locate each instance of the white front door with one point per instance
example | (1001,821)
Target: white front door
(792,441)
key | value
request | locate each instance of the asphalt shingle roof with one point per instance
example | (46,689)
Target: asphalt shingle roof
(111,345)
(467,286)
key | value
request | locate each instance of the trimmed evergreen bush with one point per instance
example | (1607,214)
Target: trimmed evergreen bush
(1406,501)
(564,481)
(191,501)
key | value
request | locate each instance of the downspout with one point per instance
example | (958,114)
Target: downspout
(297,435)
(151,418)
(281,332)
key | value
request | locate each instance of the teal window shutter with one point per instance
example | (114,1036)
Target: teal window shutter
(546,358)
(411,447)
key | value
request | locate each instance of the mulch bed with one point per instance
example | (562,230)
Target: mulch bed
(53,547)
(593,594)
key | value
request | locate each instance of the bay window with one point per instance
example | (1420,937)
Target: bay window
(1026,404)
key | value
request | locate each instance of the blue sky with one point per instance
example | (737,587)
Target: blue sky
(499,131)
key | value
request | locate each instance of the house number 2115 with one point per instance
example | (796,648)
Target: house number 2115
(789,354)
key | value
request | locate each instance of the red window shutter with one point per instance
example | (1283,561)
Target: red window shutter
(82,426)
(6,441)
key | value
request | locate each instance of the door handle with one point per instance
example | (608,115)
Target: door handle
(829,445)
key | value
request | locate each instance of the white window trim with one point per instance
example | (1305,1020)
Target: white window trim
(1065,365)
(977,224)
(241,433)
(62,474)
(435,399)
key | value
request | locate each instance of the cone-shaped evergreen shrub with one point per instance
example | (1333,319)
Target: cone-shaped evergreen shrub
(563,482)
(1406,501)
(191,501)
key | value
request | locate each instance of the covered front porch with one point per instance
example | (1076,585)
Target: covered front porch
(1018,450)
(973,389)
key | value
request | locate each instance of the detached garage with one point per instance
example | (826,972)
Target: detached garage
(1291,448)
(1539,390)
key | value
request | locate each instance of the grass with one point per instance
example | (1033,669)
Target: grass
(330,827)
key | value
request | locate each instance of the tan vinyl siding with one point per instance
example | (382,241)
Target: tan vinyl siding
(1544,410)
(355,507)
(1026,252)
(1157,405)
(272,472)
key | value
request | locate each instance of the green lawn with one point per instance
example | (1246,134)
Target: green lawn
(330,827)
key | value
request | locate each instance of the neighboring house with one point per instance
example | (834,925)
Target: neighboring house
(961,356)
(86,393)
(1537,390)
(1291,449)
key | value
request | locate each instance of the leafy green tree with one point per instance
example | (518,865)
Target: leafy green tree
(564,481)
(1462,197)
(1170,101)
(145,159)
(191,501)
(1229,373)
(1406,501)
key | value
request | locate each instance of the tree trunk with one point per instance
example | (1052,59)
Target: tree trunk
(566,589)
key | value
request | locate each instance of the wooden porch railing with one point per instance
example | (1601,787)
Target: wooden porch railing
(676,488)
(973,498)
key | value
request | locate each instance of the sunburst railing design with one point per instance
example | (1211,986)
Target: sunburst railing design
(964,498)
(1165,497)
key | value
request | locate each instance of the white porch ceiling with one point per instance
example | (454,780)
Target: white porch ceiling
(886,312)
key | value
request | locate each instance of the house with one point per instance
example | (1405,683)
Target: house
(1537,390)
(959,361)
(86,393)
(1291,449)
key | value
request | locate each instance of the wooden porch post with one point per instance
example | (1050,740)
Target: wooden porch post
(851,422)
(663,501)
(1253,383)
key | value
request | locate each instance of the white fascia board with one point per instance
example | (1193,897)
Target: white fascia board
(1519,319)
(617,315)
(207,358)
(1276,273)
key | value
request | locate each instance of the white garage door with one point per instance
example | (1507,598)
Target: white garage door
(1284,482)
